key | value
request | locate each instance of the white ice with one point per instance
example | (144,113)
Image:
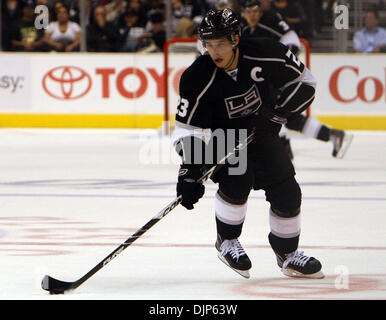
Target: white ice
(69,197)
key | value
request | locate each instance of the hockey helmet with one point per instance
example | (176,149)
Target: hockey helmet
(252,3)
(219,23)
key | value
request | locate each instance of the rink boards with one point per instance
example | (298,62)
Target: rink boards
(127,90)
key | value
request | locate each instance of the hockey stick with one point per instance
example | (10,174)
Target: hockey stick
(55,286)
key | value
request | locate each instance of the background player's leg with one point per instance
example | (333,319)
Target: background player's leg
(313,128)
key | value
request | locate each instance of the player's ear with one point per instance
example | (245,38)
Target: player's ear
(237,39)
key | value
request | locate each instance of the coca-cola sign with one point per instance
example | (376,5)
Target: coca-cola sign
(368,89)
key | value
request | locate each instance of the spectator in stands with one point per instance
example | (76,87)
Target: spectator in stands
(187,15)
(102,36)
(198,9)
(233,4)
(311,7)
(11,11)
(137,6)
(188,9)
(102,2)
(223,4)
(179,10)
(326,13)
(43,2)
(371,38)
(185,28)
(115,10)
(47,3)
(55,9)
(151,4)
(63,34)
(24,35)
(161,7)
(75,10)
(154,40)
(28,3)
(211,4)
(265,5)
(292,11)
(131,31)
(158,31)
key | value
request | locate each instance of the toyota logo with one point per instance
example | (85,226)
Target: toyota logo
(66,82)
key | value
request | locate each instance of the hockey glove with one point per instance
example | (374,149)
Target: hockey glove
(188,186)
(267,123)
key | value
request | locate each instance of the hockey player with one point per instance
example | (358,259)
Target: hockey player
(235,85)
(270,24)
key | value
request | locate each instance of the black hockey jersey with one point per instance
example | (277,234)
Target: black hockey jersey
(271,25)
(267,84)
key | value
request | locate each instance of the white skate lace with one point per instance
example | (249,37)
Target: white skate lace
(296,258)
(233,247)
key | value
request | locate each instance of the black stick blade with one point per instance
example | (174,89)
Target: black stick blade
(55,286)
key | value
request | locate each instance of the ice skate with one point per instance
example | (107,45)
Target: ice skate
(233,255)
(341,142)
(296,264)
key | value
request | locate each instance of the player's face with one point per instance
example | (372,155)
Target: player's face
(252,15)
(220,50)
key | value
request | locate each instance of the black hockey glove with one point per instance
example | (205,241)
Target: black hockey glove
(269,122)
(188,186)
(271,115)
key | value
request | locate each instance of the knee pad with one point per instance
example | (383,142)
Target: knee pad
(236,189)
(285,198)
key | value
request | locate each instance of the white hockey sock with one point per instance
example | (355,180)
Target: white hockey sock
(311,127)
(229,213)
(284,227)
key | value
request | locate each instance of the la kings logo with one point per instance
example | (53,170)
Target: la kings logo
(244,104)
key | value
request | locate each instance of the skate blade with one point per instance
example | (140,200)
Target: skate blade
(244,273)
(296,274)
(345,145)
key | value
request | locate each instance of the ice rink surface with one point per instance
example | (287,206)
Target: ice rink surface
(68,198)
